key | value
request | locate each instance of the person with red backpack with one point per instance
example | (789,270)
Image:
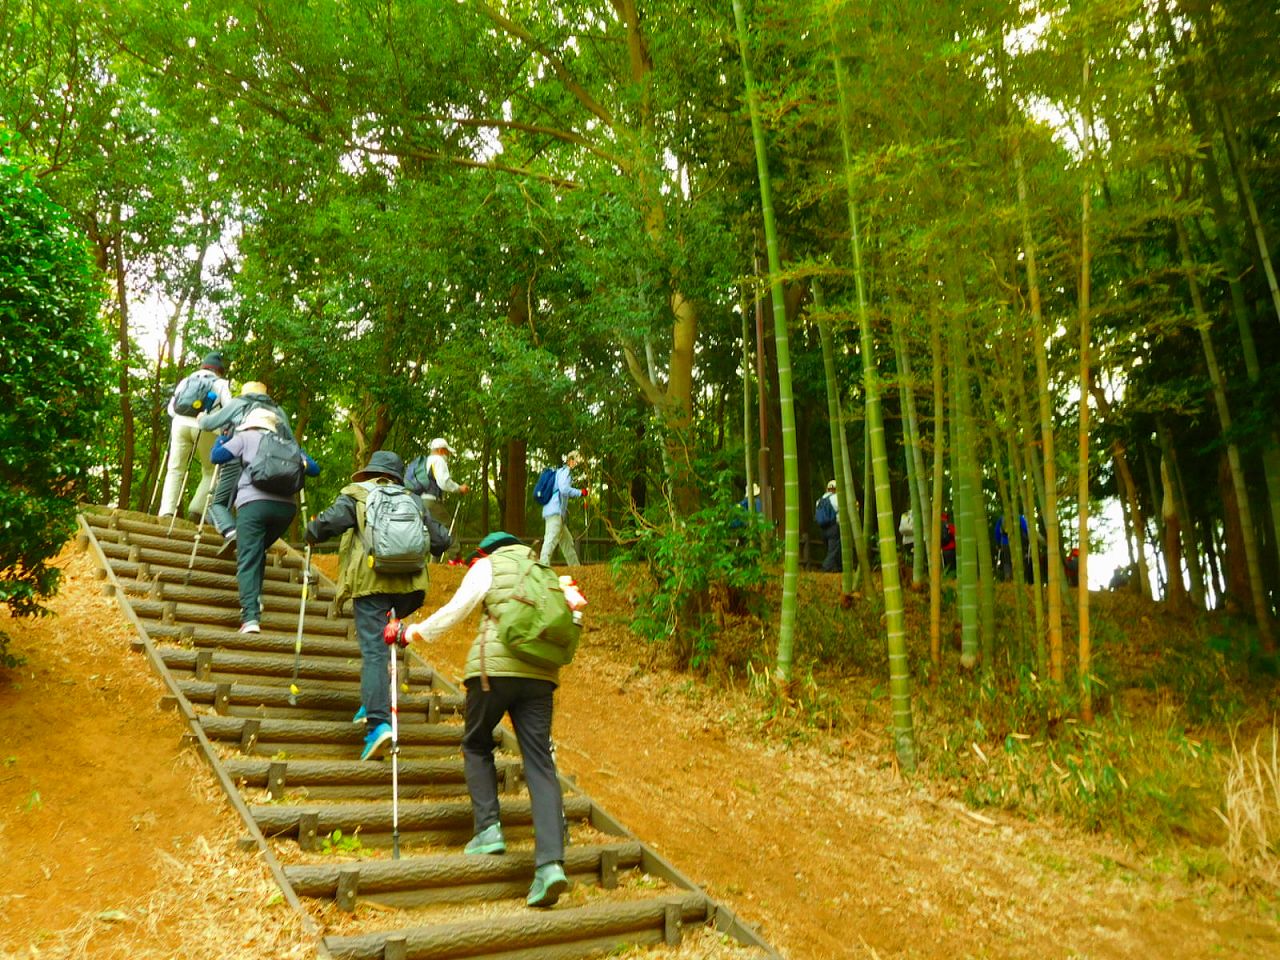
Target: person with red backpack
(200,391)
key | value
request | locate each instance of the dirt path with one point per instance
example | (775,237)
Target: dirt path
(821,846)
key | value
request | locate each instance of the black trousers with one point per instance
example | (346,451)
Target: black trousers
(530,703)
(259,523)
(833,562)
(375,656)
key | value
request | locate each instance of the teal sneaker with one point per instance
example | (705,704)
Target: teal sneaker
(549,882)
(488,840)
(362,715)
(376,739)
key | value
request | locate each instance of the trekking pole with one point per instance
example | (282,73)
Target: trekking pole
(393,635)
(452,524)
(182,490)
(195,544)
(302,609)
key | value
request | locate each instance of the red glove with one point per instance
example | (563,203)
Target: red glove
(584,491)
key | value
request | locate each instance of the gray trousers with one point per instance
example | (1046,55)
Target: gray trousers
(530,703)
(223,494)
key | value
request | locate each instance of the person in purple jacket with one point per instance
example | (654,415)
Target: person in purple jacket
(261,517)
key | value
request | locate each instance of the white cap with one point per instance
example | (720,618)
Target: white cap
(440,443)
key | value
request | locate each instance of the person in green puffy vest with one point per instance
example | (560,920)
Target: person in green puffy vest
(375,594)
(499,683)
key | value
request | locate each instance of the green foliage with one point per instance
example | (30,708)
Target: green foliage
(342,844)
(700,581)
(53,364)
(9,660)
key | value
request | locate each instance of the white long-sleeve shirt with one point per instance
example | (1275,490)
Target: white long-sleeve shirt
(438,466)
(467,597)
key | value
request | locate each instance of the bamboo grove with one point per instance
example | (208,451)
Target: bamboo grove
(1017,258)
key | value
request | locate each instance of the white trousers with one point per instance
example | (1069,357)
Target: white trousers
(184,436)
(556,533)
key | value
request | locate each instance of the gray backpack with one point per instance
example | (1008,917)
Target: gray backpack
(393,530)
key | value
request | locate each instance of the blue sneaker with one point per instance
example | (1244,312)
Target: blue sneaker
(362,715)
(488,840)
(376,739)
(549,882)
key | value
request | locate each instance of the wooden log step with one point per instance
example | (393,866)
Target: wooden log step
(308,773)
(455,878)
(156,537)
(268,642)
(344,702)
(277,820)
(225,664)
(412,733)
(229,615)
(534,934)
(145,573)
(169,587)
(170,561)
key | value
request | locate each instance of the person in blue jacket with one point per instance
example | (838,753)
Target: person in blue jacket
(553,513)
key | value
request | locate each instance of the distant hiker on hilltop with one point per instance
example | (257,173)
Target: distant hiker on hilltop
(382,565)
(271,474)
(202,390)
(435,485)
(253,396)
(826,514)
(554,512)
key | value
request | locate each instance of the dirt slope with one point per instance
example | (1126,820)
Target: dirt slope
(820,846)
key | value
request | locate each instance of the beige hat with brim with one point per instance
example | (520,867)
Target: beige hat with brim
(260,419)
(253,386)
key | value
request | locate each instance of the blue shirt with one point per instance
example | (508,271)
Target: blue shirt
(564,491)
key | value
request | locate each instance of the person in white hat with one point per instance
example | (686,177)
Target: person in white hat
(553,513)
(437,484)
(188,441)
(828,520)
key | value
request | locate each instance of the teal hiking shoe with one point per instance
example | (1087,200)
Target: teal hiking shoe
(488,840)
(362,715)
(376,739)
(549,882)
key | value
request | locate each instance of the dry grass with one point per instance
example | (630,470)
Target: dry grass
(1251,811)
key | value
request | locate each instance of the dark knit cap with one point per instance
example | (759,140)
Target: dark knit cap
(494,541)
(383,463)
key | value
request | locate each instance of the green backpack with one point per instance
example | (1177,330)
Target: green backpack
(535,622)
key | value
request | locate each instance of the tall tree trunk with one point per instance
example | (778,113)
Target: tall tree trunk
(895,617)
(916,477)
(934,540)
(1082,448)
(1054,613)
(835,418)
(125,493)
(791,525)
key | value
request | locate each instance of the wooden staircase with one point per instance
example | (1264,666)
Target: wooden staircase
(322,819)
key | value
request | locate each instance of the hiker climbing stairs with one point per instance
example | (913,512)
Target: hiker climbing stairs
(286,752)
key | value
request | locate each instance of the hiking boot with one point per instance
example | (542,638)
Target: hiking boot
(488,840)
(228,541)
(376,739)
(362,715)
(250,626)
(549,882)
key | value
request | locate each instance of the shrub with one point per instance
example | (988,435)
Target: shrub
(698,581)
(53,364)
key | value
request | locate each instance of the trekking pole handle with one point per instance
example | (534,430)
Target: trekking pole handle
(393,632)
